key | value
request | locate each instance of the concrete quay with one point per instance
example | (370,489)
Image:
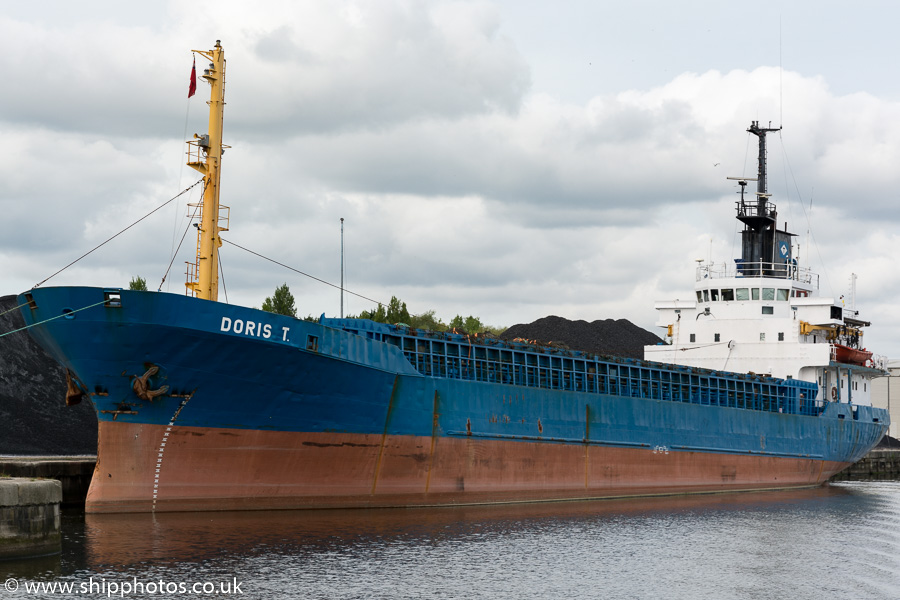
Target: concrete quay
(879,464)
(29,517)
(73,472)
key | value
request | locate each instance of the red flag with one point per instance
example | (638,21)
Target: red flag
(192,89)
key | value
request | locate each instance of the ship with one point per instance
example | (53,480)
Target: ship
(207,406)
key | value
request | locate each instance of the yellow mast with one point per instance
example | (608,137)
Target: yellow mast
(205,155)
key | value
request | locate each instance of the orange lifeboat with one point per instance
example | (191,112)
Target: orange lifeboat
(851,356)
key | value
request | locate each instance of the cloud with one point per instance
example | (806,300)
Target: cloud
(463,189)
(314,68)
(358,66)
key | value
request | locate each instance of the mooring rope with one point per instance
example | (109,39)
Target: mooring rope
(175,254)
(120,233)
(59,316)
(302,273)
(13,308)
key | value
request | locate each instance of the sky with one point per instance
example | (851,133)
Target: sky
(508,160)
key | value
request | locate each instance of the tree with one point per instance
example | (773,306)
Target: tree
(474,325)
(281,302)
(378,315)
(468,324)
(138,283)
(397,312)
(428,321)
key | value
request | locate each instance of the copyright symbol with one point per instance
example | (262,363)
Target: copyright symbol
(11,585)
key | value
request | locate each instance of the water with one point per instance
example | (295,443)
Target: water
(841,541)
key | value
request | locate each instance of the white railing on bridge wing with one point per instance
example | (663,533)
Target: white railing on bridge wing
(758,269)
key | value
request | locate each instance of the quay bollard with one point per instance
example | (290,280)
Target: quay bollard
(29,517)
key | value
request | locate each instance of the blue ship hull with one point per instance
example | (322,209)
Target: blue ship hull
(209,406)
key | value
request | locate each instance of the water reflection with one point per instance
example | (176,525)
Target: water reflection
(161,538)
(839,541)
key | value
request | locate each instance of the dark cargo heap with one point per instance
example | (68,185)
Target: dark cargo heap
(608,337)
(34,418)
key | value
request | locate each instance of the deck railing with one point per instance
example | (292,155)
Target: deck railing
(510,363)
(531,364)
(758,269)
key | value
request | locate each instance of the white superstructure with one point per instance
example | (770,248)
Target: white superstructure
(765,314)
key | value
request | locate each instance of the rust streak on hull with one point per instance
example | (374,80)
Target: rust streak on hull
(434,431)
(384,435)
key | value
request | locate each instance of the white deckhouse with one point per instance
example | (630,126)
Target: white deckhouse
(765,315)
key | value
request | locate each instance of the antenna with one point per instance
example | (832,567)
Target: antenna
(761,132)
(342,267)
(780,76)
(809,222)
(761,235)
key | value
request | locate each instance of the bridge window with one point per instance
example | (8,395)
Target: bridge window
(699,296)
(783,295)
(768,293)
(714,294)
(755,293)
(727,295)
(742,294)
(706,295)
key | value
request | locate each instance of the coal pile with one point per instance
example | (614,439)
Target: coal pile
(888,443)
(609,337)
(34,418)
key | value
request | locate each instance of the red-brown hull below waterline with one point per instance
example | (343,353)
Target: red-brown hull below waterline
(143,468)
